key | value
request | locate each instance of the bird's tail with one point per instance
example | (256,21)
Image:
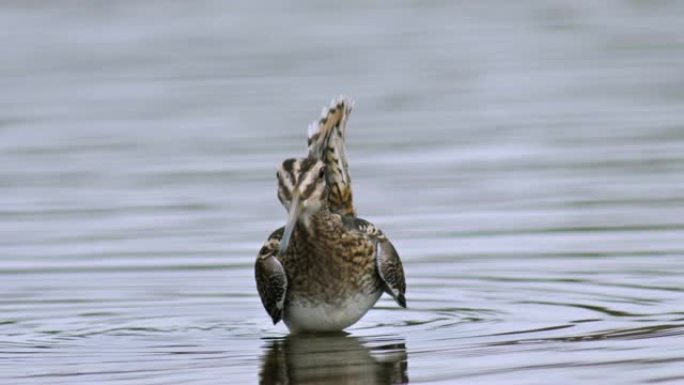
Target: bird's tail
(326,143)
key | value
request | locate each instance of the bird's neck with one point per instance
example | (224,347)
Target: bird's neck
(309,223)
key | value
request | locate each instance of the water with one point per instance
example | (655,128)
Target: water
(526,160)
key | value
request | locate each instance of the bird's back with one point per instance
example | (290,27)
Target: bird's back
(329,261)
(332,277)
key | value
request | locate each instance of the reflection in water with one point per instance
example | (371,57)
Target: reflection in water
(333,359)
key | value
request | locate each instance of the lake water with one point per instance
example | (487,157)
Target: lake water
(527,161)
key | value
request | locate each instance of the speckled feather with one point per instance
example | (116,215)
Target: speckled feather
(388,263)
(326,252)
(326,142)
(271,278)
(332,266)
(311,270)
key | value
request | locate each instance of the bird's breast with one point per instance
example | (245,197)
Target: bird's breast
(308,316)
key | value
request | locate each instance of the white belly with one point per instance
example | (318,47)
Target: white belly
(306,317)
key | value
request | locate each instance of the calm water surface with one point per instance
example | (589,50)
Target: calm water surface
(527,161)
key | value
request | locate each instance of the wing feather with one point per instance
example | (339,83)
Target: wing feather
(271,278)
(391,271)
(388,263)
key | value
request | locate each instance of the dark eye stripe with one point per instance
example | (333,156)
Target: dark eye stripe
(285,183)
(314,181)
(289,171)
(306,165)
(288,165)
(301,174)
(286,193)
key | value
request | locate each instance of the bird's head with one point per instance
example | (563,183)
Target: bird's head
(302,190)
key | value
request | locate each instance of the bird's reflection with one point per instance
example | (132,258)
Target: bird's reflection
(333,359)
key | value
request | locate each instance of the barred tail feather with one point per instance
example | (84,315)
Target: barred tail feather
(326,138)
(333,119)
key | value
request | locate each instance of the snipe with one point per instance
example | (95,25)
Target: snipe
(326,267)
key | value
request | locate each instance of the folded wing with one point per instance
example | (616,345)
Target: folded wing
(271,279)
(389,267)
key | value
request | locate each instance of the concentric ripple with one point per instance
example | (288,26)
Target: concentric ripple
(526,159)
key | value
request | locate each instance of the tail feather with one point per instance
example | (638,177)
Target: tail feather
(326,138)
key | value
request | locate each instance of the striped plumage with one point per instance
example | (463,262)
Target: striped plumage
(325,268)
(326,143)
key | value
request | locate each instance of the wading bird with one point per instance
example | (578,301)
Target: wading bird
(326,267)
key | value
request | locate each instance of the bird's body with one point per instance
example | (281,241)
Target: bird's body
(326,267)
(332,271)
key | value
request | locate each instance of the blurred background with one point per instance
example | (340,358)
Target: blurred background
(526,159)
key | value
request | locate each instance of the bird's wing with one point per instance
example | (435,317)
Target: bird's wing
(391,270)
(271,279)
(326,138)
(387,260)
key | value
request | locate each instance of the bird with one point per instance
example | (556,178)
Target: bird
(326,267)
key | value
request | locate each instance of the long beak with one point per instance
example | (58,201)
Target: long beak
(295,209)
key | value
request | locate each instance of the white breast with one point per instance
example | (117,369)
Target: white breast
(304,316)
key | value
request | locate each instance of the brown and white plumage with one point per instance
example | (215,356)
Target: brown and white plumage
(387,261)
(326,142)
(271,278)
(326,267)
